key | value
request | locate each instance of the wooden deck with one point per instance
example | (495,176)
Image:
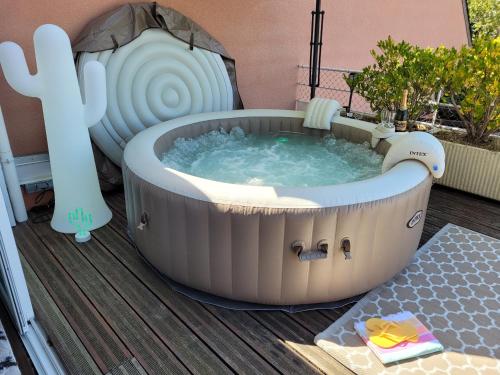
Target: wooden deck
(105,311)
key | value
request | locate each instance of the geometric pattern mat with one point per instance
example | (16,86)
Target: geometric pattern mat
(452,286)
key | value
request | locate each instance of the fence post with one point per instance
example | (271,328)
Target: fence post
(438,100)
(315,47)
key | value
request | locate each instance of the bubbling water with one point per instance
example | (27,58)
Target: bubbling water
(282,159)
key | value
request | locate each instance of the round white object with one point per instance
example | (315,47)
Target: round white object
(152,79)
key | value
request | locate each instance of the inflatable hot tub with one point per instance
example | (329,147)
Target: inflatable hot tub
(278,245)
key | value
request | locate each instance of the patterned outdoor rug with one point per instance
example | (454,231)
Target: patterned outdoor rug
(453,287)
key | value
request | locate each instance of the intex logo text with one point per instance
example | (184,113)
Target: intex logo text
(418,153)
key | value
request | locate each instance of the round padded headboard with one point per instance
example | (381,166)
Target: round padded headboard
(152,79)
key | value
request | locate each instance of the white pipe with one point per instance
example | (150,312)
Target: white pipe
(9,170)
(5,194)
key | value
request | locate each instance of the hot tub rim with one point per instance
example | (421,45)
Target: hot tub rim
(140,152)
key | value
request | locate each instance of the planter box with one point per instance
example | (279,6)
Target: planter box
(472,169)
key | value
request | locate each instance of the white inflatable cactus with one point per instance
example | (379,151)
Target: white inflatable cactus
(67,119)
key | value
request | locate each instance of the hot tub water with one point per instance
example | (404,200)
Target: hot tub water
(283,159)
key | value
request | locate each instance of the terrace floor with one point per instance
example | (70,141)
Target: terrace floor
(105,311)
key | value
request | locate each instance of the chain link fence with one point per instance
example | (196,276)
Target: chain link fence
(332,85)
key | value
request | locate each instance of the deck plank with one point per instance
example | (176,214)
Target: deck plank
(334,314)
(129,367)
(71,351)
(268,344)
(313,321)
(141,341)
(100,341)
(121,313)
(465,201)
(473,212)
(300,339)
(166,312)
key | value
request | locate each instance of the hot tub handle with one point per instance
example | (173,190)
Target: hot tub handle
(144,221)
(322,246)
(320,253)
(345,245)
(298,246)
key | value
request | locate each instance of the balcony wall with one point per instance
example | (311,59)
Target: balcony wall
(267,38)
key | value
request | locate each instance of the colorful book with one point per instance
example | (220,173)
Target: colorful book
(426,343)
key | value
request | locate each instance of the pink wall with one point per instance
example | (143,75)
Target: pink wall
(267,38)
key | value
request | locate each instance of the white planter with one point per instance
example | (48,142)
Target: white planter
(472,169)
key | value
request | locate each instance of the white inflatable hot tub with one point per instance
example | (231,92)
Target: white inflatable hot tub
(278,245)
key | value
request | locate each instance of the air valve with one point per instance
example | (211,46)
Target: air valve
(345,246)
(144,221)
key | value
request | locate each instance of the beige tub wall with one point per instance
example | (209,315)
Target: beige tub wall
(268,38)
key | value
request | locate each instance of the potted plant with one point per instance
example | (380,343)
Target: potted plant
(472,84)
(400,66)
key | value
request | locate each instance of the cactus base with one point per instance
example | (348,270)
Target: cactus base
(83,236)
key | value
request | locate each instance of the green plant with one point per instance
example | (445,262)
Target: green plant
(472,81)
(484,17)
(400,66)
